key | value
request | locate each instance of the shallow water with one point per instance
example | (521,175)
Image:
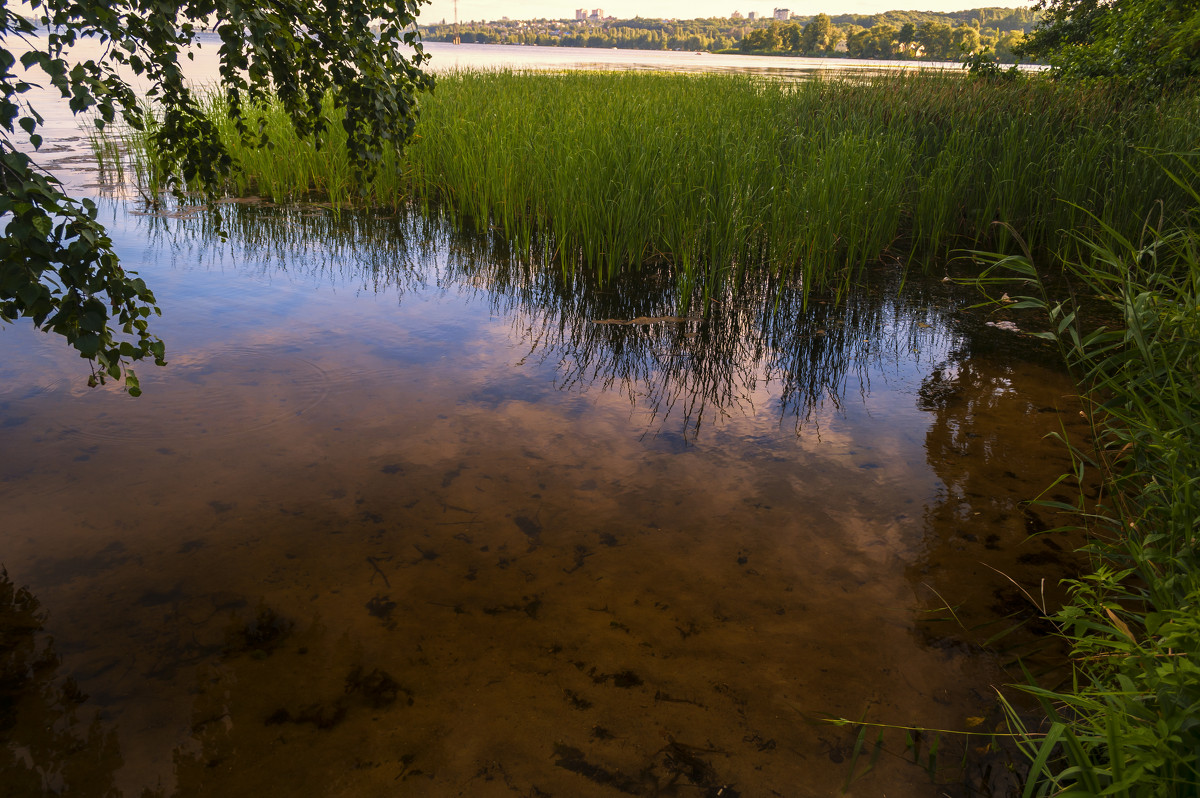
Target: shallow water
(400,518)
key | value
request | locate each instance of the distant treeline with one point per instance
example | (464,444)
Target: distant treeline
(892,34)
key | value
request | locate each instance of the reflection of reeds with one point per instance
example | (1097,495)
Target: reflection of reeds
(109,160)
(807,354)
(716,175)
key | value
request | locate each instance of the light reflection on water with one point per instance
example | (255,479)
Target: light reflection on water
(447,56)
(399,518)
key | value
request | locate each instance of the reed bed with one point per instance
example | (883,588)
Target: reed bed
(1129,724)
(714,176)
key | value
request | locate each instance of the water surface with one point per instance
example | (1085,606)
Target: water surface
(447,56)
(401,518)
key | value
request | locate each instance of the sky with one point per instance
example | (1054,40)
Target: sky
(683,9)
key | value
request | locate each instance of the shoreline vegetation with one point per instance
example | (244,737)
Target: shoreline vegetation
(715,177)
(715,180)
(1129,722)
(917,35)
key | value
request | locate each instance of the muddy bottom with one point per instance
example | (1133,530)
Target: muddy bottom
(398,521)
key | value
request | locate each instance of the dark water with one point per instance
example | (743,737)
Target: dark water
(401,519)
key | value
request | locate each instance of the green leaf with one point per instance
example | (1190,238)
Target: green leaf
(88,345)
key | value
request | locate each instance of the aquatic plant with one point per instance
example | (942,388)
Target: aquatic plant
(709,177)
(1129,724)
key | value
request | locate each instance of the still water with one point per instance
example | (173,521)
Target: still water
(403,518)
(446,56)
(409,513)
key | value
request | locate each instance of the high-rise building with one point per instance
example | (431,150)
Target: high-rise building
(736,15)
(597,13)
(783,14)
(581,13)
(753,15)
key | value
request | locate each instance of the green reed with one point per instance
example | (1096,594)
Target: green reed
(1130,723)
(712,177)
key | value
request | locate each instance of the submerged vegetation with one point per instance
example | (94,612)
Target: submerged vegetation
(716,176)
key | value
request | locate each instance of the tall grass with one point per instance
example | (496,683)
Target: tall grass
(1130,725)
(713,176)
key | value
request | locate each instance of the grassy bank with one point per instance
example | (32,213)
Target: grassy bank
(714,176)
(1130,724)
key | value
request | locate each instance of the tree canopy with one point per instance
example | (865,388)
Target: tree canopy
(796,35)
(1155,43)
(57,264)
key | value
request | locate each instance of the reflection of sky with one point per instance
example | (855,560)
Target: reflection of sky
(255,339)
(881,352)
(257,331)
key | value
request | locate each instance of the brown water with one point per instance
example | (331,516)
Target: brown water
(400,519)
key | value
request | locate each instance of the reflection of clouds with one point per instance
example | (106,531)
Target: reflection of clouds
(367,304)
(757,364)
(747,353)
(732,500)
(492,491)
(713,366)
(215,393)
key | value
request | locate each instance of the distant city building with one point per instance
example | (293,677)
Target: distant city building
(753,15)
(581,13)
(597,13)
(783,14)
(734,15)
